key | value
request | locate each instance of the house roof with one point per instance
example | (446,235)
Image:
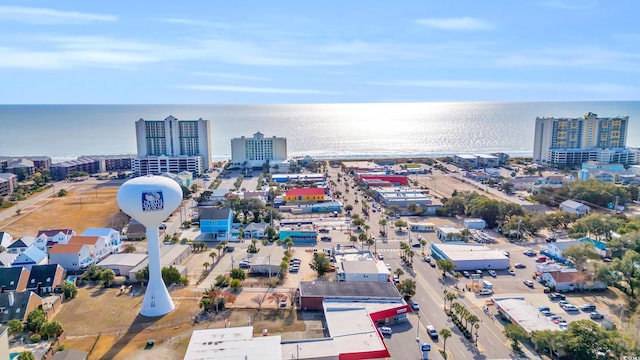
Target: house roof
(87,240)
(6,259)
(573,204)
(256,226)
(51,233)
(33,253)
(305,191)
(214,214)
(20,304)
(98,232)
(45,274)
(10,277)
(564,276)
(66,248)
(23,242)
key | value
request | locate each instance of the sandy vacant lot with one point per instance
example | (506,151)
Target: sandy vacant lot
(85,205)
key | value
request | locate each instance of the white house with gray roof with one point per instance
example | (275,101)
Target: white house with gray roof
(575,207)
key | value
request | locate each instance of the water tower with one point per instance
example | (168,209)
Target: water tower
(150,200)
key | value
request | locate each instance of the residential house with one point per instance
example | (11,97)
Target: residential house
(575,207)
(255,230)
(112,236)
(599,246)
(71,257)
(553,180)
(217,222)
(47,238)
(555,249)
(136,231)
(97,246)
(569,280)
(522,183)
(13,279)
(45,278)
(7,259)
(21,245)
(30,257)
(5,239)
(18,305)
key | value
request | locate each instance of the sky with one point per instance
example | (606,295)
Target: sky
(330,51)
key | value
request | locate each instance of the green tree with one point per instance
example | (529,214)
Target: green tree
(69,289)
(35,319)
(107,277)
(587,340)
(579,254)
(407,288)
(446,266)
(445,333)
(171,275)
(398,272)
(400,224)
(237,273)
(628,268)
(320,264)
(235,284)
(51,329)
(143,274)
(26,355)
(517,335)
(15,327)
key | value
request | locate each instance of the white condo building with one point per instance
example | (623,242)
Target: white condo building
(172,145)
(258,150)
(570,141)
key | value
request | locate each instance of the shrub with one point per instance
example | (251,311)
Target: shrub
(35,338)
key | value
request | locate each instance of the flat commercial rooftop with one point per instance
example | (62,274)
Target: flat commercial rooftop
(332,289)
(524,314)
(461,252)
(233,344)
(123,260)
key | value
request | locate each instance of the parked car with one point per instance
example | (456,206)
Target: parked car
(294,269)
(547,313)
(380,256)
(556,296)
(433,333)
(244,265)
(570,307)
(550,239)
(529,252)
(588,307)
(484,292)
(596,316)
(506,253)
(541,259)
(385,330)
(528,283)
(283,302)
(492,273)
(427,259)
(543,308)
(466,274)
(511,272)
(433,264)
(415,306)
(563,303)
(519,266)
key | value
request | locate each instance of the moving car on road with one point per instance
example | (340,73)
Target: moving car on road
(528,283)
(433,333)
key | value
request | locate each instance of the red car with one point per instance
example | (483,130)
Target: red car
(541,259)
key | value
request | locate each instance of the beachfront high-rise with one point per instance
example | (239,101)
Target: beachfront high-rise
(569,141)
(256,151)
(172,145)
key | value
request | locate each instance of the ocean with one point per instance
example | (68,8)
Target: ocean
(374,130)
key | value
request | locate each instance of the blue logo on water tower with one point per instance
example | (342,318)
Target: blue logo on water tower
(152,201)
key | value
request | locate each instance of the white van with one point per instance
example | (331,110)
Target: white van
(487,285)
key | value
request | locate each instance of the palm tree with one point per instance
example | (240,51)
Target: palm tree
(353,239)
(363,238)
(383,223)
(288,242)
(450,297)
(398,272)
(445,333)
(423,243)
(205,265)
(212,254)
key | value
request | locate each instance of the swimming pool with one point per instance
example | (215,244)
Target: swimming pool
(13,355)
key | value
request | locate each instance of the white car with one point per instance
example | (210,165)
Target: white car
(492,273)
(385,330)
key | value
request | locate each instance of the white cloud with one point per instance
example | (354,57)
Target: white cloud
(458,24)
(198,23)
(251,89)
(573,58)
(44,16)
(230,76)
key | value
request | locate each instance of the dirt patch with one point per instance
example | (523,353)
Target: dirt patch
(84,206)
